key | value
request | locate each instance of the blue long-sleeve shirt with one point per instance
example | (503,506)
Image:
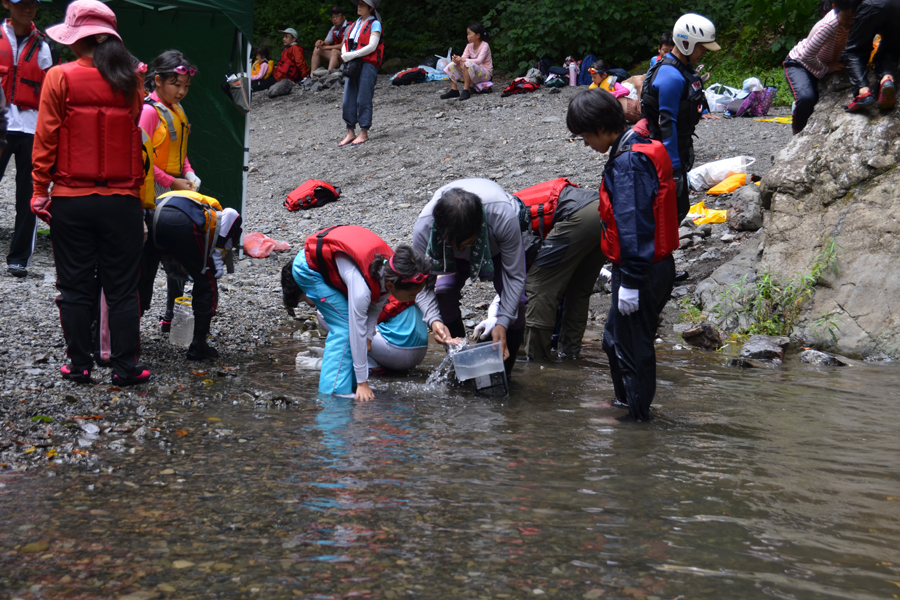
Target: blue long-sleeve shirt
(632,183)
(669,84)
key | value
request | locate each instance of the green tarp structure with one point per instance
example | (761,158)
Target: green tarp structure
(204,30)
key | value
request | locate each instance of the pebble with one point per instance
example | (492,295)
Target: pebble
(182,564)
(34,547)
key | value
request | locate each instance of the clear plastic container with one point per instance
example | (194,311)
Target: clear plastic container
(182,331)
(479,360)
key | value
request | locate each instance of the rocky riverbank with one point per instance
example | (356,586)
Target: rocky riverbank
(418,143)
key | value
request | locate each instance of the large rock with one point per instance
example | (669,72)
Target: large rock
(821,359)
(704,335)
(765,347)
(838,179)
(745,211)
(282,88)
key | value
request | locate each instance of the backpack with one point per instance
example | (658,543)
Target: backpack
(584,78)
(538,205)
(311,194)
(409,76)
(520,85)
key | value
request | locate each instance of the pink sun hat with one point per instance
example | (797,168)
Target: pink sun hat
(84,18)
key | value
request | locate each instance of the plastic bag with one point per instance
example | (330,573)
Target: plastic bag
(729,184)
(718,96)
(444,61)
(700,214)
(705,176)
(258,245)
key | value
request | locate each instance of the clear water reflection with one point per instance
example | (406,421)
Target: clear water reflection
(781,483)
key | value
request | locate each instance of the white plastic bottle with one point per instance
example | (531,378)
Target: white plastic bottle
(182,331)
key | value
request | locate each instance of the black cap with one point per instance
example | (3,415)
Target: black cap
(337,10)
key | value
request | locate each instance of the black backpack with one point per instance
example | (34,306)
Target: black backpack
(410,76)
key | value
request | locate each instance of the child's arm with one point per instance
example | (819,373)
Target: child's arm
(263,69)
(359,297)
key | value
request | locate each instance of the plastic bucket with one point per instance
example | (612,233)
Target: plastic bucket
(182,331)
(477,361)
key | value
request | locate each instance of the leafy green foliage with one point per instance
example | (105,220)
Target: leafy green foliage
(690,313)
(770,306)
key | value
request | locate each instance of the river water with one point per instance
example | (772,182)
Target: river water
(778,483)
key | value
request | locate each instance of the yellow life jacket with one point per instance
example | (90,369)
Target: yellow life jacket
(254,69)
(148,192)
(211,209)
(170,140)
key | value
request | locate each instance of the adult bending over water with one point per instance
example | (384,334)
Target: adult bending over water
(470,229)
(348,273)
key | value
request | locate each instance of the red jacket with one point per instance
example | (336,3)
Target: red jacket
(292,64)
(99,142)
(22,82)
(665,209)
(356,243)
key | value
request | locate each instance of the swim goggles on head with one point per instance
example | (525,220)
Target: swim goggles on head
(182,70)
(593,70)
(417,278)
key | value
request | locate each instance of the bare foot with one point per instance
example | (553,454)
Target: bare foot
(362,138)
(350,137)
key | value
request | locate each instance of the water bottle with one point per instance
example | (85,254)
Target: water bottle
(573,78)
(182,331)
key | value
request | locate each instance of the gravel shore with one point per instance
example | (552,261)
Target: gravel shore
(418,143)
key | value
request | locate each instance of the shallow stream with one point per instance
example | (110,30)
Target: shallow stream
(778,483)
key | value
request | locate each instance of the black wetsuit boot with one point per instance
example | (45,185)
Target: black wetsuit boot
(200,348)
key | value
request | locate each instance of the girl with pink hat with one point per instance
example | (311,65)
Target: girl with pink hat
(88,145)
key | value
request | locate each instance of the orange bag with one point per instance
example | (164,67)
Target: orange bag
(258,245)
(731,183)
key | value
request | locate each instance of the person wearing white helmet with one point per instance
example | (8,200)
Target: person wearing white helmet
(673,100)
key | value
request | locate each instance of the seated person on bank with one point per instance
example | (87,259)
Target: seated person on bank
(262,70)
(329,49)
(292,64)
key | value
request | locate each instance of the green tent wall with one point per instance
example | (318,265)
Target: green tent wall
(204,31)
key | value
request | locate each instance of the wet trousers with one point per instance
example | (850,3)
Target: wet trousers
(567,266)
(98,235)
(873,17)
(805,87)
(358,95)
(448,290)
(629,340)
(181,239)
(400,343)
(337,375)
(25,228)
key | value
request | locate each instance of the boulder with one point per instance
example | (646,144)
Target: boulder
(765,347)
(745,363)
(821,359)
(704,335)
(745,211)
(838,180)
(282,88)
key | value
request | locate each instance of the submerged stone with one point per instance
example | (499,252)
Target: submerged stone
(822,359)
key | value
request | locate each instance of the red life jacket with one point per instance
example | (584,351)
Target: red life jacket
(665,206)
(356,243)
(291,67)
(22,82)
(393,308)
(376,57)
(541,201)
(311,194)
(99,143)
(341,34)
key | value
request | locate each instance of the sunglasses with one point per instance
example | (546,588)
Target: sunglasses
(417,278)
(182,70)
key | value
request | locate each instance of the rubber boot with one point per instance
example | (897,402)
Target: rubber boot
(456,328)
(514,339)
(200,348)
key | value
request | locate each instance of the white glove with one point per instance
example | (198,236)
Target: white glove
(305,361)
(628,300)
(483,329)
(193,180)
(606,274)
(218,262)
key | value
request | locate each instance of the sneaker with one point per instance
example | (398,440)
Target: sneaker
(860,103)
(887,97)
(165,325)
(450,94)
(139,375)
(77,375)
(464,95)
(17,270)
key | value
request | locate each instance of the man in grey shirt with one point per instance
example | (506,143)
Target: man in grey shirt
(470,229)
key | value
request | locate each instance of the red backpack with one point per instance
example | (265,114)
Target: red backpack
(311,194)
(540,203)
(520,85)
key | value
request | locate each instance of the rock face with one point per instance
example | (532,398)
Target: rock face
(741,267)
(704,335)
(745,212)
(765,347)
(839,179)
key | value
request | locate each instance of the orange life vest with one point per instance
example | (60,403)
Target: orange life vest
(356,243)
(540,203)
(254,70)
(665,206)
(375,58)
(22,82)
(170,140)
(147,192)
(99,142)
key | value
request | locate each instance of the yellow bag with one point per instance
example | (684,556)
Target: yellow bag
(731,183)
(700,214)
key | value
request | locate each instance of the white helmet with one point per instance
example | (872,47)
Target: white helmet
(690,30)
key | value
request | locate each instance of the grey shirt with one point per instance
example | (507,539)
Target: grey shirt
(505,236)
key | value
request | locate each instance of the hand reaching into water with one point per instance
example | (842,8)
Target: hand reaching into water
(364,393)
